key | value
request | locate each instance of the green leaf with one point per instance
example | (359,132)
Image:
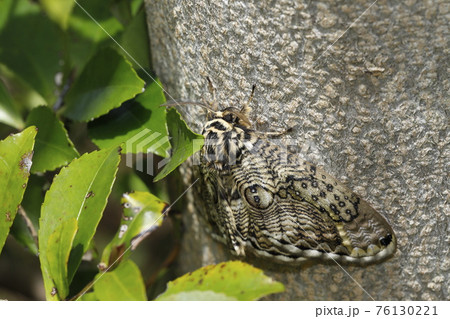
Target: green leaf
(196,295)
(30,46)
(234,280)
(139,124)
(135,183)
(16,152)
(60,243)
(9,111)
(105,83)
(123,283)
(184,143)
(58,10)
(34,197)
(21,231)
(79,192)
(90,296)
(138,50)
(85,35)
(142,214)
(87,16)
(121,10)
(53,146)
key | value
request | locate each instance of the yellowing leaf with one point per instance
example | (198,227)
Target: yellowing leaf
(123,283)
(233,280)
(16,152)
(142,214)
(79,192)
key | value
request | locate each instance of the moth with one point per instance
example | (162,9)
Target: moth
(265,201)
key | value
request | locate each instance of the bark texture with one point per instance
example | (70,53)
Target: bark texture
(365,88)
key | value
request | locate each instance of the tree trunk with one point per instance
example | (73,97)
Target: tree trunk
(363,84)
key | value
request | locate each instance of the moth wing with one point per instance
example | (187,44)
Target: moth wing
(297,211)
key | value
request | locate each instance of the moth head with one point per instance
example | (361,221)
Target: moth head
(234,116)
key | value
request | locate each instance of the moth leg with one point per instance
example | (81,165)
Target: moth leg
(275,134)
(235,241)
(246,109)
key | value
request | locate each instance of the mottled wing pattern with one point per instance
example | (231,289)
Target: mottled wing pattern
(296,211)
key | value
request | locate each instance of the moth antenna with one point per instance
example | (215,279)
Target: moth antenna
(211,88)
(212,91)
(246,109)
(176,103)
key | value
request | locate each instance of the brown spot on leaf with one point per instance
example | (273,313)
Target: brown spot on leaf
(25,163)
(8,216)
(101,266)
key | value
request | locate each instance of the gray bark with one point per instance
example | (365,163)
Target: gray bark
(365,88)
